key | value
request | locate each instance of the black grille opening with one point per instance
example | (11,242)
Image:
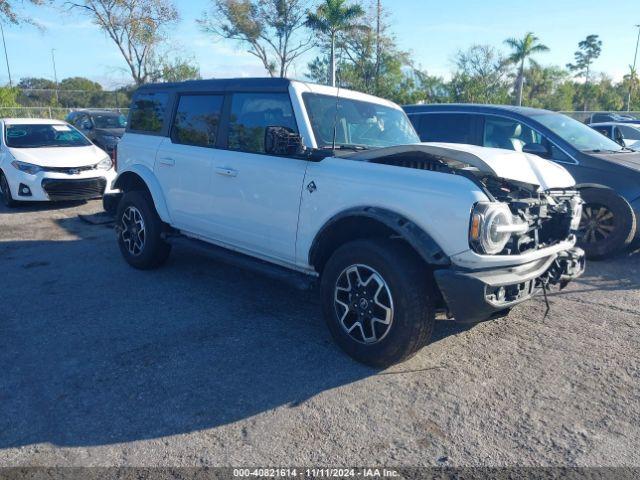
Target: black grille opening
(76,189)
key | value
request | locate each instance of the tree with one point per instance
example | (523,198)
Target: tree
(331,18)
(523,49)
(36,92)
(137,27)
(480,76)
(588,51)
(548,87)
(176,70)
(272,29)
(9,96)
(8,12)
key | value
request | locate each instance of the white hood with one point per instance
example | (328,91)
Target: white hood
(517,166)
(59,156)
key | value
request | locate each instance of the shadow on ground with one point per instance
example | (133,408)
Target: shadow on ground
(93,352)
(29,207)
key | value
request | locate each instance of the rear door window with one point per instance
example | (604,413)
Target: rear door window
(251,113)
(148,112)
(629,133)
(197,120)
(449,127)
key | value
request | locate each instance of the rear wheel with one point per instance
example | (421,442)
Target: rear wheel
(140,232)
(608,223)
(5,191)
(377,301)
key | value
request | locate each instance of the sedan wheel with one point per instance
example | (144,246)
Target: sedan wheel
(597,224)
(5,191)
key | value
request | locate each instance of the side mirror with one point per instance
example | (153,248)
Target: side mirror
(536,149)
(282,141)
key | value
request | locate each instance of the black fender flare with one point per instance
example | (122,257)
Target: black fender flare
(415,236)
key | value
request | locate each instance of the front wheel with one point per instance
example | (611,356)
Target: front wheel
(140,232)
(5,191)
(377,301)
(608,223)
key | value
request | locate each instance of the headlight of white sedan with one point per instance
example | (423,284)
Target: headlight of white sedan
(492,225)
(105,164)
(26,167)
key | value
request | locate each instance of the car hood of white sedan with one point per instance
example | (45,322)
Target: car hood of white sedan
(510,165)
(59,156)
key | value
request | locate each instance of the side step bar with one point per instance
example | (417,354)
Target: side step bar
(296,279)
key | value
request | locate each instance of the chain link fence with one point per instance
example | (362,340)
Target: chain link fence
(595,117)
(57,113)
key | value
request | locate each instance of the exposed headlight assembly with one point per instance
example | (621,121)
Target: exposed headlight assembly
(105,164)
(492,225)
(26,167)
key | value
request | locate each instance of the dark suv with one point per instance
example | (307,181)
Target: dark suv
(104,128)
(607,174)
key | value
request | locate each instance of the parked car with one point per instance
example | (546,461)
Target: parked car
(334,186)
(607,174)
(624,134)
(43,160)
(602,117)
(103,127)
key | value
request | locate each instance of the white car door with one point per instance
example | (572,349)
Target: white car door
(185,160)
(256,197)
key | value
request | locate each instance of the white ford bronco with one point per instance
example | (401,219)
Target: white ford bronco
(335,187)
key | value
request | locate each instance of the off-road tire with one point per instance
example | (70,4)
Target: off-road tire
(5,192)
(155,250)
(623,223)
(412,298)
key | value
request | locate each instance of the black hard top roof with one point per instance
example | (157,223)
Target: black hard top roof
(474,107)
(222,85)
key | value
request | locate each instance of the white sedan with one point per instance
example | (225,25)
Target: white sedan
(49,160)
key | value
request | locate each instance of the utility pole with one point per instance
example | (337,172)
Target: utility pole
(55,72)
(378,46)
(633,71)
(6,57)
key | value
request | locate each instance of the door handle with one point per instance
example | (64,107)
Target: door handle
(167,161)
(226,172)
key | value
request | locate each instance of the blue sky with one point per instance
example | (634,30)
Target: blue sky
(432,30)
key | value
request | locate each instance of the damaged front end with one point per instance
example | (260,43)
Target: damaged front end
(531,221)
(521,239)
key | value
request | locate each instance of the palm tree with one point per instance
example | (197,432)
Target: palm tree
(330,18)
(522,50)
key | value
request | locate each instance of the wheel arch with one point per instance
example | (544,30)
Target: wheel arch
(365,222)
(582,186)
(141,178)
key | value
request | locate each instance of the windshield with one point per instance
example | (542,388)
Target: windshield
(577,134)
(357,123)
(43,135)
(109,121)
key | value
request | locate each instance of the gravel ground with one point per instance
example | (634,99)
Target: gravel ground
(200,363)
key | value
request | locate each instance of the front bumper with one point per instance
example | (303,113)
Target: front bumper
(475,296)
(56,186)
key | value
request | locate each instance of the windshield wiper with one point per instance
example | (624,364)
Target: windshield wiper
(600,150)
(345,147)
